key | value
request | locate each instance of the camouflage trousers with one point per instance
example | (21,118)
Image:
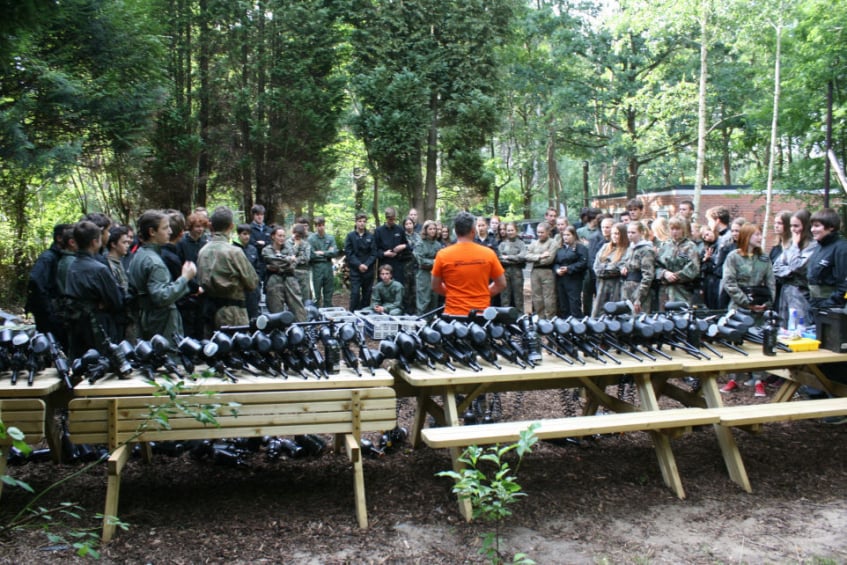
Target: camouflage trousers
(512,295)
(282,292)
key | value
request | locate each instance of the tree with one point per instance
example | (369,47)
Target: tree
(81,91)
(425,83)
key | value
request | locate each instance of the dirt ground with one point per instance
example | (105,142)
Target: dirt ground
(600,502)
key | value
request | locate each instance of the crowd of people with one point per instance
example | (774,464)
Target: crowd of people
(177,276)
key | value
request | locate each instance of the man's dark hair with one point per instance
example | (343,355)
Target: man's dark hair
(58,230)
(257,209)
(464,223)
(591,213)
(149,220)
(828,218)
(99,219)
(177,222)
(68,235)
(241,228)
(636,204)
(361,216)
(720,213)
(299,230)
(85,233)
(689,202)
(320,220)
(221,219)
(115,235)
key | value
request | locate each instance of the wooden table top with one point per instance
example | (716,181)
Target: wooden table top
(758,361)
(552,368)
(138,385)
(45,382)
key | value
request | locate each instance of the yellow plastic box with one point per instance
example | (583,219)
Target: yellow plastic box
(802,344)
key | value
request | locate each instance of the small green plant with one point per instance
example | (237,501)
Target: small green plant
(491,491)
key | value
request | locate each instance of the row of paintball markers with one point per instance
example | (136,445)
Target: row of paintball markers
(504,333)
(274,345)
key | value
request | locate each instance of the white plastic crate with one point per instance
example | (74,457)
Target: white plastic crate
(409,323)
(378,326)
(334,312)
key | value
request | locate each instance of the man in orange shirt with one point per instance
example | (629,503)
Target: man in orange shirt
(466,273)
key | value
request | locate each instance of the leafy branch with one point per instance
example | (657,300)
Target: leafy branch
(492,492)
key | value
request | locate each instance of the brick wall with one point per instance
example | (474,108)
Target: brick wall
(739,202)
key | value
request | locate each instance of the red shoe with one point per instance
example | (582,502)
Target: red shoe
(731,386)
(760,389)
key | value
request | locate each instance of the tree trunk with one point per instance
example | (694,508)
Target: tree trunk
(263,193)
(244,123)
(773,145)
(431,188)
(204,163)
(632,167)
(701,106)
(554,180)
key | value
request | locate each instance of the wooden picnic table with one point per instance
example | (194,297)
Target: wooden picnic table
(653,380)
(118,413)
(31,409)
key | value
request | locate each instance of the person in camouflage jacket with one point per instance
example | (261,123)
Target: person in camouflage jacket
(639,269)
(425,250)
(282,288)
(748,276)
(512,253)
(677,265)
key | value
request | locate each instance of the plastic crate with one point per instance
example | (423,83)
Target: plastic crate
(334,312)
(378,326)
(802,344)
(409,323)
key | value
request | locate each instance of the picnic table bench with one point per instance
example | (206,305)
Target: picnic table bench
(653,380)
(117,413)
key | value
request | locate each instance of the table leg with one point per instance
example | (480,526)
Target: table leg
(3,464)
(452,415)
(731,455)
(661,442)
(420,419)
(52,433)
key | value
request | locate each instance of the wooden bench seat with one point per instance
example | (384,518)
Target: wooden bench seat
(123,420)
(509,432)
(734,416)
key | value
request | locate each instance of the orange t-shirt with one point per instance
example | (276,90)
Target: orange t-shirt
(466,269)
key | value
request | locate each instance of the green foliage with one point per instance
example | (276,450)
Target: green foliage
(490,485)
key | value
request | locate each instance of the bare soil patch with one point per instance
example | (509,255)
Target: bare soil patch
(600,502)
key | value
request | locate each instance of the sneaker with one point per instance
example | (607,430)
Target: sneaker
(760,389)
(729,387)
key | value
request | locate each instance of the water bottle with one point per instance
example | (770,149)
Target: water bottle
(792,320)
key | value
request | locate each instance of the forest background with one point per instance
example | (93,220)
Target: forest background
(326,107)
